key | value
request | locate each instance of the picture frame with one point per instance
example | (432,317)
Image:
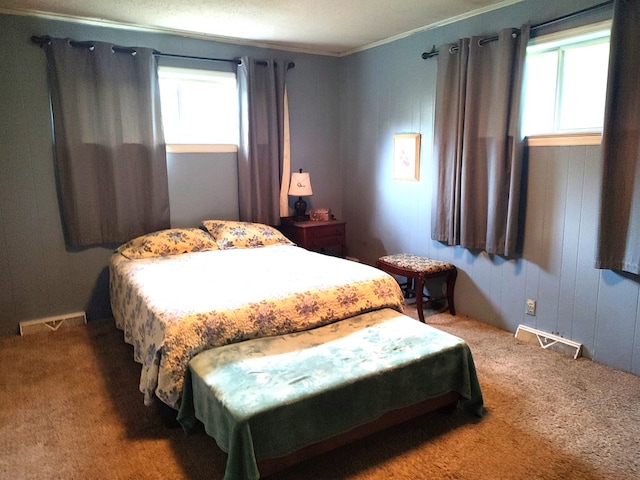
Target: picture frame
(406,156)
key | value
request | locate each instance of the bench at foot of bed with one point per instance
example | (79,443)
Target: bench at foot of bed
(271,402)
(447,403)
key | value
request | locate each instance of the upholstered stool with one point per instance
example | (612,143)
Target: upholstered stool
(417,270)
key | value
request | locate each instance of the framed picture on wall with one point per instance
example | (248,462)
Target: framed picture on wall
(406,156)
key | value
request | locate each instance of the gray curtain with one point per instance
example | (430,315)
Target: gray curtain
(109,146)
(619,228)
(261,149)
(477,143)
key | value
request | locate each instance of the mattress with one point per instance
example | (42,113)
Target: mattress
(172,308)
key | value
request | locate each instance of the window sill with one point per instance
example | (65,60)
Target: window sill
(564,139)
(202,148)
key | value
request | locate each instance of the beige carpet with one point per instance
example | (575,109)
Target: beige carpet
(70,409)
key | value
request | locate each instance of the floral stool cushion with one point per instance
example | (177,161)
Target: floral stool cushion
(417,269)
(417,263)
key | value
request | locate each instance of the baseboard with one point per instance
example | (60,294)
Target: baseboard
(48,324)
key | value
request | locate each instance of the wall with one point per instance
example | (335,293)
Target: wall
(390,89)
(344,113)
(38,276)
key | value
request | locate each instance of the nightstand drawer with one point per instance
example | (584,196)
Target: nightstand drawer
(327,232)
(325,241)
(320,236)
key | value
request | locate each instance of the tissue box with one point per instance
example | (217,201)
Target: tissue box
(319,214)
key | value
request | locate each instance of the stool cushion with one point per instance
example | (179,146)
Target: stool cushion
(416,263)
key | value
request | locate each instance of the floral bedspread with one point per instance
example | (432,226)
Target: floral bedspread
(172,308)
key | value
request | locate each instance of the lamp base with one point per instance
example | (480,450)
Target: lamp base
(301,208)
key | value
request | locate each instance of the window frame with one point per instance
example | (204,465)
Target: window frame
(196,73)
(585,35)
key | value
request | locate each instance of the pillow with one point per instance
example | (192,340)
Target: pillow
(231,234)
(168,242)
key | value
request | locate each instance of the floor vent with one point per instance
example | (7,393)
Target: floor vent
(49,324)
(549,341)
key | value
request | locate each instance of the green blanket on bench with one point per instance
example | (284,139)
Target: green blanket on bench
(268,397)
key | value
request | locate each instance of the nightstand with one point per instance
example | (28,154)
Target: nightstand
(317,236)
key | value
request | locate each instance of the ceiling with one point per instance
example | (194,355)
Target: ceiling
(328,27)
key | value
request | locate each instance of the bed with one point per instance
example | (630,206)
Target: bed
(178,292)
(188,300)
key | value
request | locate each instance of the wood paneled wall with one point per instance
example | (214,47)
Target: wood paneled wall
(389,90)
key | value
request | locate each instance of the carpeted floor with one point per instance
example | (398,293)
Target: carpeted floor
(70,409)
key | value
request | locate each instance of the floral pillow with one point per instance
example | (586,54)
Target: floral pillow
(168,242)
(231,234)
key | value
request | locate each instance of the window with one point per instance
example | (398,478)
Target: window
(566,81)
(198,106)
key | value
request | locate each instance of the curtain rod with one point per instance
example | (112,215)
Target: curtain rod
(44,40)
(433,52)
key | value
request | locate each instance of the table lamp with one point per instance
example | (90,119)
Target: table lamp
(300,186)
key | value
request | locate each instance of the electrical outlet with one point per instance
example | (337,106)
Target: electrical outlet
(531,307)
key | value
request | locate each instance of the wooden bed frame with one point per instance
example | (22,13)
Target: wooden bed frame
(271,466)
(447,402)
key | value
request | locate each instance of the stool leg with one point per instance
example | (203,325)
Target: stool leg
(451,283)
(419,294)
(408,287)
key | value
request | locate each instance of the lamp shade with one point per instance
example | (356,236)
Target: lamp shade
(300,185)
